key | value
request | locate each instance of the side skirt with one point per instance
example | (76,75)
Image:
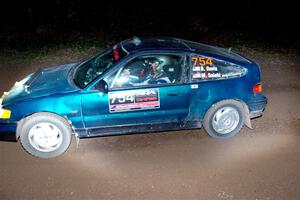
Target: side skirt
(138,128)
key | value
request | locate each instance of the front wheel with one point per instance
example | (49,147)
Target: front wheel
(45,135)
(224,119)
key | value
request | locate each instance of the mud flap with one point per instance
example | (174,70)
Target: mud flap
(77,140)
(75,133)
(247,120)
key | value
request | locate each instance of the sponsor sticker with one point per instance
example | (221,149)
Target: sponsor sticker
(134,100)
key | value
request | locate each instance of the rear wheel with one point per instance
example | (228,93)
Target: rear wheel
(45,135)
(224,119)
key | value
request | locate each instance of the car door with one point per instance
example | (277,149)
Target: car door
(133,100)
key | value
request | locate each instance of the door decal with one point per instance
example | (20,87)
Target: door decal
(132,100)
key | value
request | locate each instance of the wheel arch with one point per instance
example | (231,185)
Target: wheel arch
(24,119)
(246,112)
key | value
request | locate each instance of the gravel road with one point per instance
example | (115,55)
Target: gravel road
(258,164)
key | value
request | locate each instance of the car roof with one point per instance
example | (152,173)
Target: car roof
(153,43)
(170,43)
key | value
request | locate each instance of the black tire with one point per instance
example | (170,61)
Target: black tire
(210,119)
(58,125)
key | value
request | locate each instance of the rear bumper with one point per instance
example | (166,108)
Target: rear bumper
(256,113)
(8,132)
(257,108)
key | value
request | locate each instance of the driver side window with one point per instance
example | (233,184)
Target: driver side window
(148,70)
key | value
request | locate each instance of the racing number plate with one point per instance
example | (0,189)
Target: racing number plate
(133,100)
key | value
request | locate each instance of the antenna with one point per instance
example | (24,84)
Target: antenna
(229,49)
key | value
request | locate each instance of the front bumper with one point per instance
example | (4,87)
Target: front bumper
(257,108)
(8,131)
(7,128)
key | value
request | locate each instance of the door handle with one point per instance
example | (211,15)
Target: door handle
(173,94)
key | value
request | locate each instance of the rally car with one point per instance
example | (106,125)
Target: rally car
(138,85)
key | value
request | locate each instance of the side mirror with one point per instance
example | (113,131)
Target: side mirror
(102,86)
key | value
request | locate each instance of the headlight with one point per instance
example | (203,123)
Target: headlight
(4,114)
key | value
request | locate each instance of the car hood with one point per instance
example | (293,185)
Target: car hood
(43,82)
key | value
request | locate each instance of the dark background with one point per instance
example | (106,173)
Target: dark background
(259,163)
(34,24)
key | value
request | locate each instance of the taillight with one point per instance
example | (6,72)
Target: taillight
(257,88)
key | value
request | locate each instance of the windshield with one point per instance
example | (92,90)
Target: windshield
(90,70)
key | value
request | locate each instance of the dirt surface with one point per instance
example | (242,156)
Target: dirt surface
(258,164)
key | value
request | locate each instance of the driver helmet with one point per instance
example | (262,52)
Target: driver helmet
(158,64)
